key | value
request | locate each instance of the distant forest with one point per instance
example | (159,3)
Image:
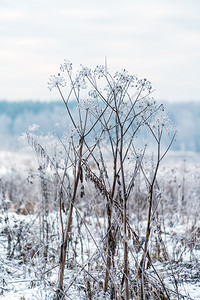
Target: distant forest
(16,117)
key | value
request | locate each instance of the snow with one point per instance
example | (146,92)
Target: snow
(35,279)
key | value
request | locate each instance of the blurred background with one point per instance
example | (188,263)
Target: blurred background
(155,39)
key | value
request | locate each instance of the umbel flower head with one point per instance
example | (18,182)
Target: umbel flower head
(56,81)
(66,66)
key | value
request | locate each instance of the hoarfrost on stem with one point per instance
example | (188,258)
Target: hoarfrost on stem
(66,66)
(100,71)
(123,78)
(144,84)
(56,81)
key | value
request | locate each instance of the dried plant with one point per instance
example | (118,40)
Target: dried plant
(109,116)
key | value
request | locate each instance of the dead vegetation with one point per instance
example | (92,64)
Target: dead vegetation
(105,215)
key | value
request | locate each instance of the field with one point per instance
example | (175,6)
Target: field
(100,208)
(31,233)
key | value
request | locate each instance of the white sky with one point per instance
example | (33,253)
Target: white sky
(156,39)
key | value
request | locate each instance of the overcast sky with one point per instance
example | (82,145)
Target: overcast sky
(156,39)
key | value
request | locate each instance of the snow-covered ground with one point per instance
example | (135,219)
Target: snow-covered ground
(24,273)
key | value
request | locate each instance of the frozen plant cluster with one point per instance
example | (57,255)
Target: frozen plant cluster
(104,201)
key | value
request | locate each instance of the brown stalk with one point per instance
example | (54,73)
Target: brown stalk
(109,215)
(124,215)
(63,249)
